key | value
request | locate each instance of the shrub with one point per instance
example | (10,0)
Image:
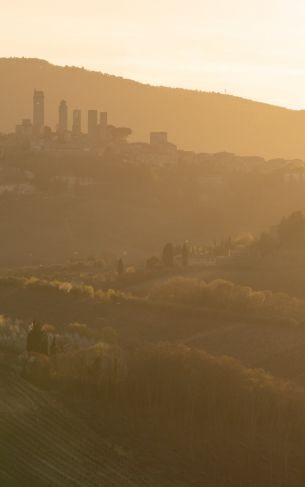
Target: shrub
(12,335)
(227,296)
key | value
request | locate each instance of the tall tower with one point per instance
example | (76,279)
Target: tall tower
(103,119)
(77,122)
(38,113)
(103,126)
(63,117)
(92,124)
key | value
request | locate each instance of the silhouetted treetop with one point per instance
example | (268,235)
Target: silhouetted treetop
(37,339)
(291,230)
(168,255)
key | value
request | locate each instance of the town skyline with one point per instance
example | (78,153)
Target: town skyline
(194,120)
(36,132)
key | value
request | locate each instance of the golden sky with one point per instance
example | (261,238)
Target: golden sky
(254,49)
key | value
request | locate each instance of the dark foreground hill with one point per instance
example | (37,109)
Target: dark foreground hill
(200,121)
(43,444)
(130,410)
(187,418)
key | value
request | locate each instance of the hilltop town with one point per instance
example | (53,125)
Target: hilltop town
(91,188)
(70,138)
(78,138)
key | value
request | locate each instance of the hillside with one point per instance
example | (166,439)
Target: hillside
(132,378)
(43,444)
(233,426)
(208,122)
(247,326)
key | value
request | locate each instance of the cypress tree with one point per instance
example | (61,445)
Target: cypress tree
(168,255)
(185,255)
(120,267)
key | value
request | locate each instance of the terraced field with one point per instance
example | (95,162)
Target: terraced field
(44,445)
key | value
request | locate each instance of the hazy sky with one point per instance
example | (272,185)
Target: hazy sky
(251,48)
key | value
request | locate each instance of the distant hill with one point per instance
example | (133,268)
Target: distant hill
(208,122)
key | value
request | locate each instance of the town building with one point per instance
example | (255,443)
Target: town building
(38,113)
(158,138)
(24,129)
(62,127)
(92,124)
(77,122)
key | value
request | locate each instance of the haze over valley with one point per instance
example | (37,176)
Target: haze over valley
(152,252)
